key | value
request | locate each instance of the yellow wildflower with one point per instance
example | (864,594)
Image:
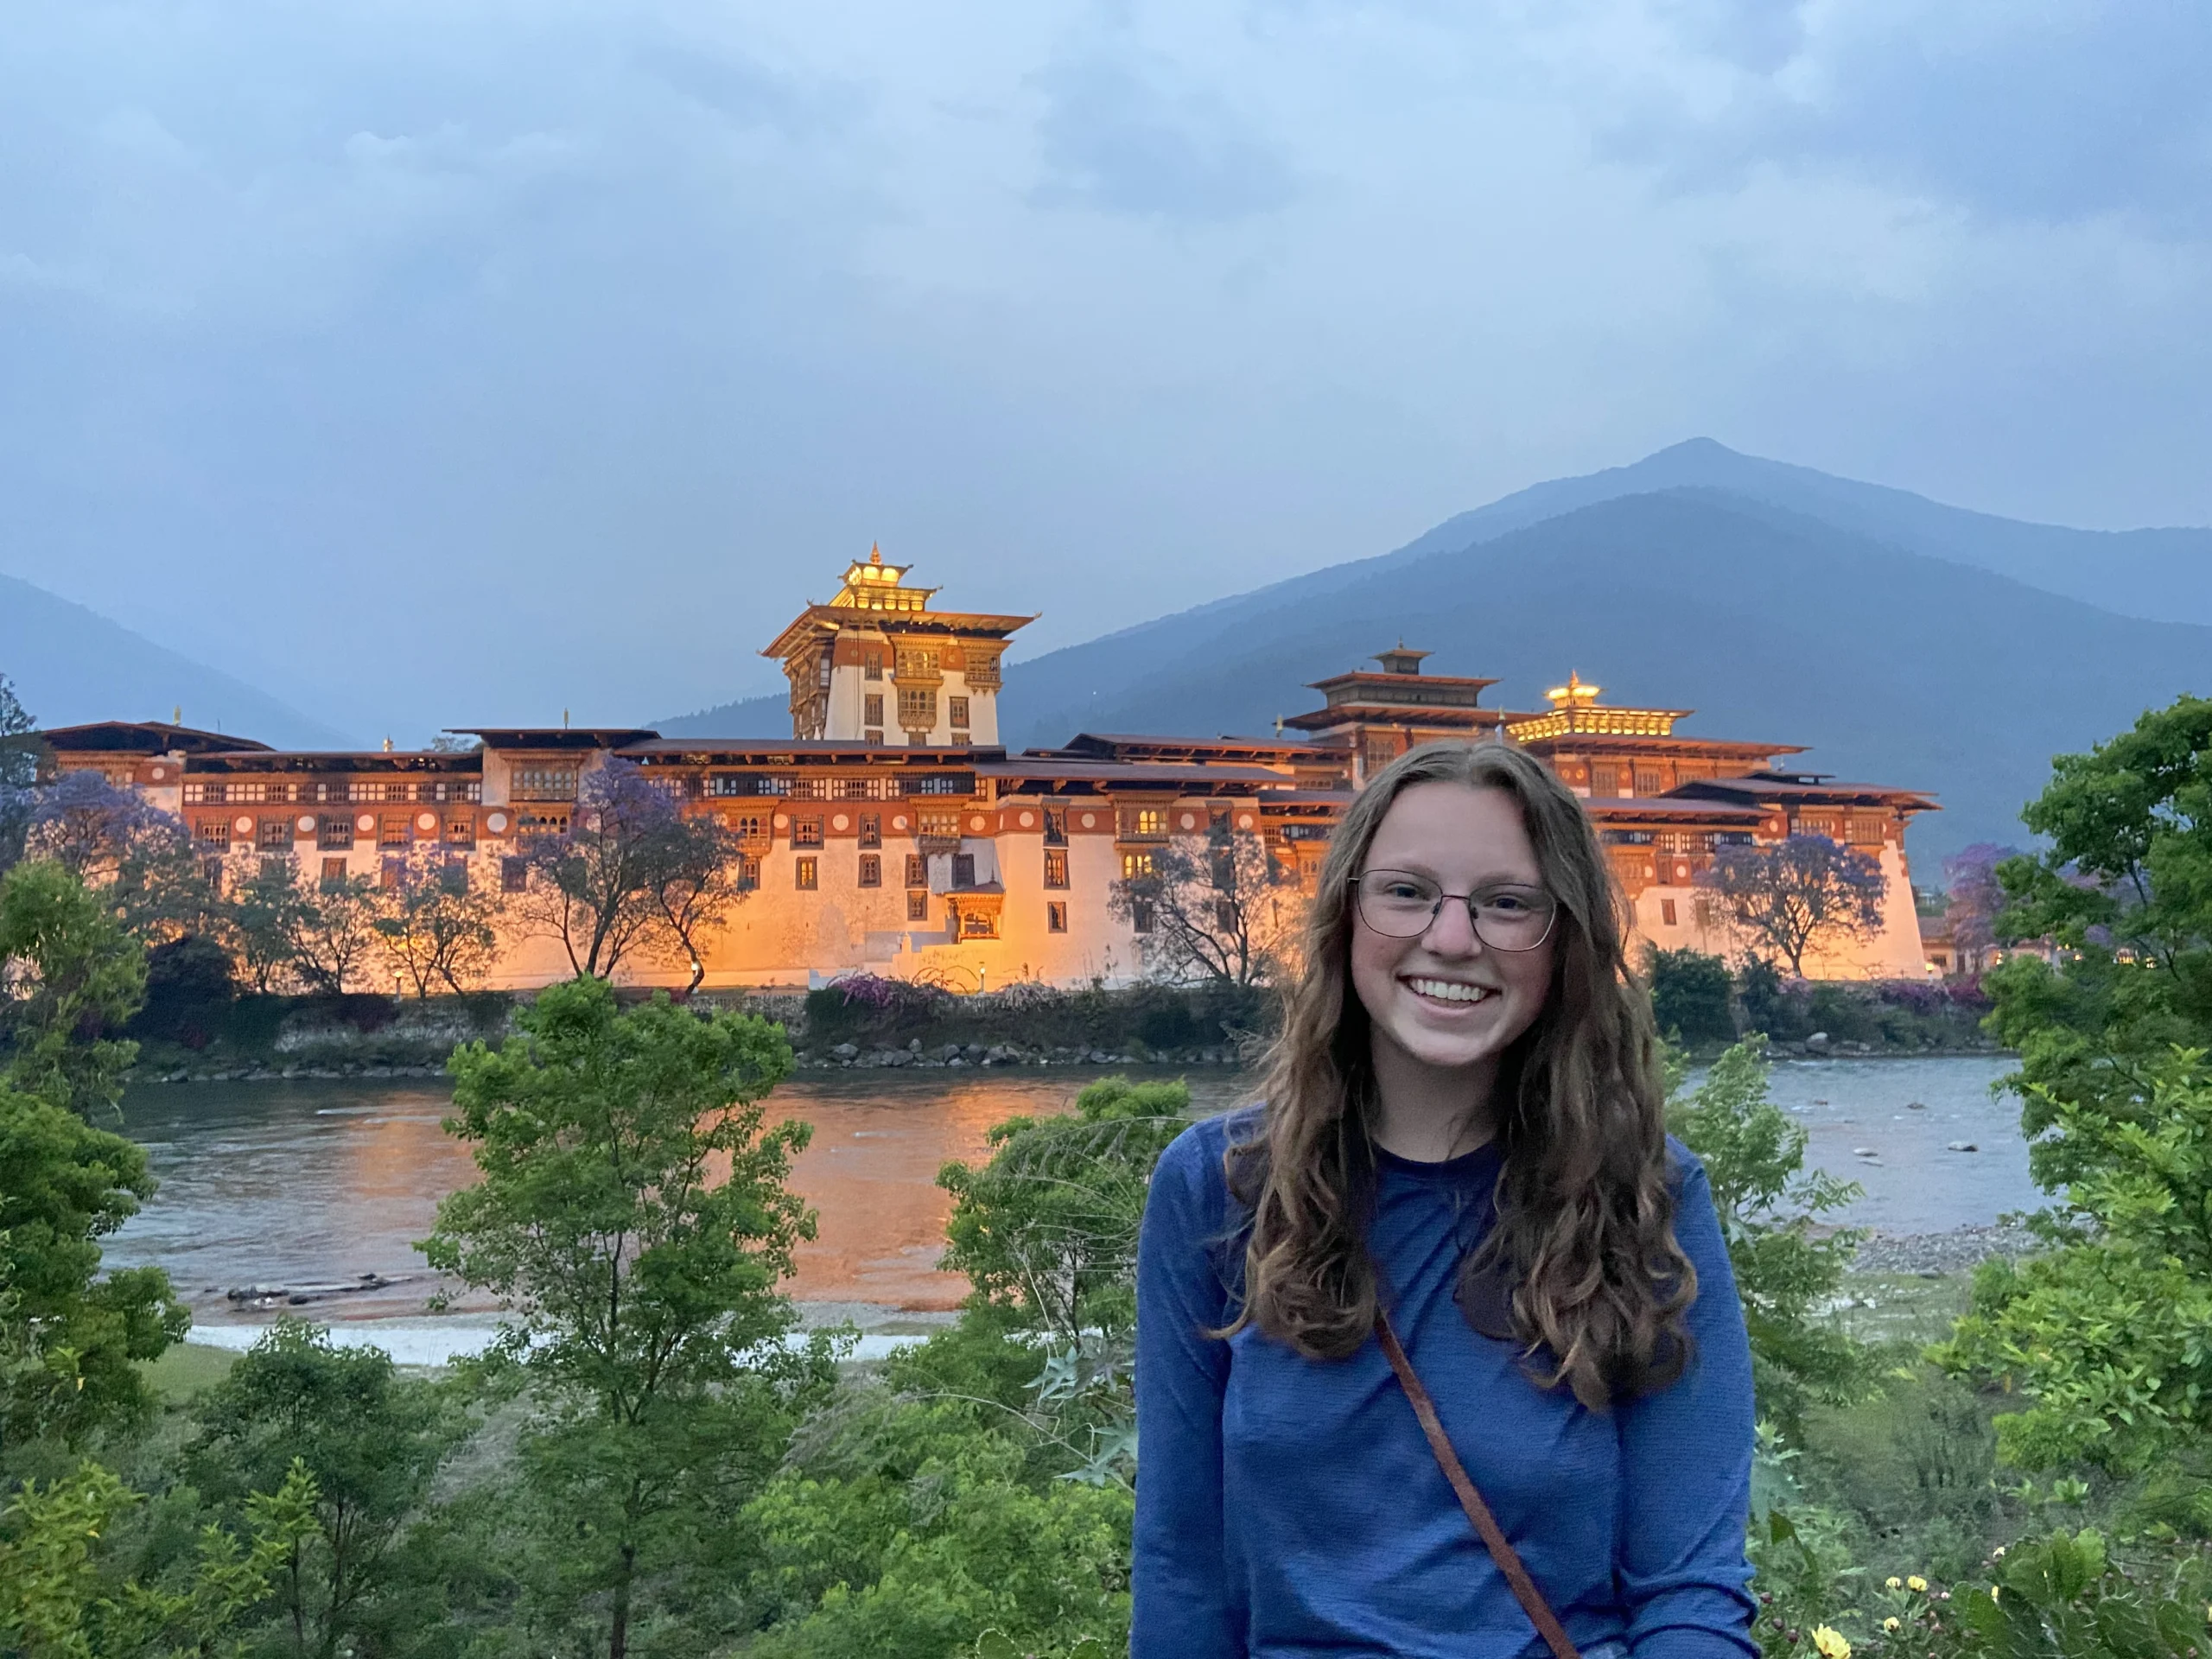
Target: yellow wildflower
(1998,1553)
(1830,1642)
(1889,1624)
(1897,1584)
(1993,1592)
(1917,1583)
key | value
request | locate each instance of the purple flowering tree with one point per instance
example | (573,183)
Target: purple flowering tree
(1975,897)
(1794,895)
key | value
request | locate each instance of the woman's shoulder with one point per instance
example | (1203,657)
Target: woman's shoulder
(1197,1160)
(1686,1174)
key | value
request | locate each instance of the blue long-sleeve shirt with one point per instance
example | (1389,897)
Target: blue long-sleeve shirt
(1290,1506)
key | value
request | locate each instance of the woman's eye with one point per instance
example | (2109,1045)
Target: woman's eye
(1403,890)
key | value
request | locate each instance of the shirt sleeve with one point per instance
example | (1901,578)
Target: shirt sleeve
(1686,1459)
(1183,1606)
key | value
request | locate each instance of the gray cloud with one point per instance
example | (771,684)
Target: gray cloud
(1114,139)
(466,359)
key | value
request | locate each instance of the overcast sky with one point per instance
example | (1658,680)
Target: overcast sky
(430,361)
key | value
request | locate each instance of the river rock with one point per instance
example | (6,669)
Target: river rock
(847,1051)
(1962,1146)
(1817,1041)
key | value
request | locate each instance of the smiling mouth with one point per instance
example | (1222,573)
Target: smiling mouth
(1446,990)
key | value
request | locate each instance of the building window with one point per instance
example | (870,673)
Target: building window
(275,835)
(453,875)
(872,735)
(1667,912)
(1056,867)
(1055,826)
(212,832)
(211,871)
(272,867)
(203,794)
(871,869)
(334,872)
(963,869)
(1865,830)
(461,832)
(1605,781)
(391,832)
(978,925)
(918,708)
(806,873)
(918,874)
(751,826)
(1381,752)
(1134,865)
(388,878)
(872,709)
(1140,916)
(514,875)
(1055,917)
(542,784)
(957,710)
(806,832)
(918,907)
(1706,913)
(1649,781)
(871,829)
(874,670)
(1145,822)
(748,874)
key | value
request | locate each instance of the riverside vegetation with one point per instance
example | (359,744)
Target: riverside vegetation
(659,1460)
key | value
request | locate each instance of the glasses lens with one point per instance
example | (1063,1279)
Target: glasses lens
(1396,902)
(1513,919)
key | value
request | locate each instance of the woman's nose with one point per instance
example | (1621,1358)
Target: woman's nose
(1451,930)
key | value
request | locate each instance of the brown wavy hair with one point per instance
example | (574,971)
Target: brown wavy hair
(1582,1266)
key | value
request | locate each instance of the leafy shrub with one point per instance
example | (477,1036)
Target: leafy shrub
(1690,995)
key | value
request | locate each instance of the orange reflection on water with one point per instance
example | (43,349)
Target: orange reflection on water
(871,1173)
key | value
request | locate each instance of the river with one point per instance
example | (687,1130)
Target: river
(314,1183)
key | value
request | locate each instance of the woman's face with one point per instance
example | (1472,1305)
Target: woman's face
(1446,999)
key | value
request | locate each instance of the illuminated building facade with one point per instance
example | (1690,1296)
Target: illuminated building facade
(892,834)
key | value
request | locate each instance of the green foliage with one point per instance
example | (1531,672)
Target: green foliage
(1769,1208)
(2125,890)
(1690,995)
(71,974)
(1049,1225)
(370,1439)
(2110,1334)
(633,1217)
(55,1598)
(435,927)
(65,1186)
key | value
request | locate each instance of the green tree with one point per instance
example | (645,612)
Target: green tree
(1787,1262)
(64,1187)
(436,927)
(56,1599)
(371,1440)
(633,1217)
(2124,891)
(267,915)
(2107,1337)
(1690,995)
(19,760)
(72,975)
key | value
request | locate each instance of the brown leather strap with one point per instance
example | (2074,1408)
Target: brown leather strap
(1509,1561)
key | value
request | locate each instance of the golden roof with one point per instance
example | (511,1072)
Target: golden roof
(872,584)
(1576,712)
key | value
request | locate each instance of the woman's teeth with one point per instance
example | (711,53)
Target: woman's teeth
(1445,990)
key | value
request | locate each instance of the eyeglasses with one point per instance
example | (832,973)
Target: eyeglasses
(1403,906)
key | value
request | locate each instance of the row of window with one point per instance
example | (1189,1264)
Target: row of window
(332,832)
(802,787)
(453,872)
(257,792)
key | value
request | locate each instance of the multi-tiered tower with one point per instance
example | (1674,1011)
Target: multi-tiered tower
(876,664)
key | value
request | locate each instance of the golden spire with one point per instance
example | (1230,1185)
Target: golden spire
(1573,694)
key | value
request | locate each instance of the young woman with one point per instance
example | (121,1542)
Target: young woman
(1462,1130)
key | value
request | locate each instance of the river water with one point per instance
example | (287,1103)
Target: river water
(299,1185)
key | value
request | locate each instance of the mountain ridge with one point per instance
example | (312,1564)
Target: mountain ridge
(70,666)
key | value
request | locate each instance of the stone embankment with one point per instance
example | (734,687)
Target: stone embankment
(1934,1255)
(853,1056)
(287,1073)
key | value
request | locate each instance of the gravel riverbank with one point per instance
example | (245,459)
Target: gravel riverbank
(1940,1253)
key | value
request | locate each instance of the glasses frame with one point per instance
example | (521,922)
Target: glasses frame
(1474,921)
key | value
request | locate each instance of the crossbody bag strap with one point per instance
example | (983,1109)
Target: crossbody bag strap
(1494,1540)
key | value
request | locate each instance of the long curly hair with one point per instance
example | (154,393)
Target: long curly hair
(1582,1266)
